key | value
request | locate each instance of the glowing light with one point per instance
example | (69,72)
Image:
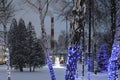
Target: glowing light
(113,63)
(49,62)
(57,63)
(102,58)
(73,57)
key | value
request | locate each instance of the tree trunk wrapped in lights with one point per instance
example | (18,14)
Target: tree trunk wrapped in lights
(113,61)
(102,58)
(42,8)
(49,62)
(73,57)
(77,29)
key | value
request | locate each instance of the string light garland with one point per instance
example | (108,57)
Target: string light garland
(71,67)
(51,70)
(113,63)
(102,58)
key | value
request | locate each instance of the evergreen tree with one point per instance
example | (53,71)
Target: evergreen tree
(35,52)
(31,37)
(25,48)
(39,56)
(17,42)
(21,45)
(12,40)
(102,58)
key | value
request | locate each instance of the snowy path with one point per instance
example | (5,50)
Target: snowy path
(43,74)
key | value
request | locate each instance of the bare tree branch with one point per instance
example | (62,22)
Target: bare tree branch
(46,8)
(29,2)
(6,11)
(9,4)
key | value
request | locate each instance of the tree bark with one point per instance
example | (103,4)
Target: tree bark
(34,68)
(21,68)
(30,66)
(45,41)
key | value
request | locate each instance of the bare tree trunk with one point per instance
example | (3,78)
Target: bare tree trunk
(42,14)
(30,66)
(5,34)
(45,41)
(6,13)
(89,41)
(33,68)
(113,20)
(20,68)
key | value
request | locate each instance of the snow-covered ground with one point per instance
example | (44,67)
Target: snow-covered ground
(43,74)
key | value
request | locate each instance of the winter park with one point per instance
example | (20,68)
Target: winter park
(59,39)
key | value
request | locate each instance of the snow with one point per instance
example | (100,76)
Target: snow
(43,74)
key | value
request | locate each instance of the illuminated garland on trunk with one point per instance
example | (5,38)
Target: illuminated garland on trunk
(113,63)
(77,31)
(73,57)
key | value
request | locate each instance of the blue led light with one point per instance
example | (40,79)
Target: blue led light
(113,63)
(73,57)
(49,62)
(102,58)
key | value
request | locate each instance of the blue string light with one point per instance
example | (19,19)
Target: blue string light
(113,63)
(49,62)
(71,67)
(102,58)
